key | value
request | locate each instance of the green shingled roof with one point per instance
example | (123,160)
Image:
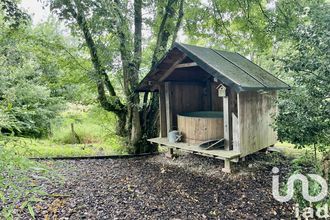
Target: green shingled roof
(231,68)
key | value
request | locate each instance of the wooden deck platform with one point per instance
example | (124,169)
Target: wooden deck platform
(221,154)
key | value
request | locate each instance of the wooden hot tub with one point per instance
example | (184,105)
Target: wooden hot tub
(197,127)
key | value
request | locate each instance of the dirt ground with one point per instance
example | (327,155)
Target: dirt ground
(155,187)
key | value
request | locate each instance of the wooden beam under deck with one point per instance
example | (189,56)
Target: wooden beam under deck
(221,154)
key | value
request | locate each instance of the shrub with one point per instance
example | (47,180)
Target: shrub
(18,176)
(26,100)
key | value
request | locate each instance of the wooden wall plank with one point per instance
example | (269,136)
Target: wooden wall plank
(255,113)
(186,97)
(207,96)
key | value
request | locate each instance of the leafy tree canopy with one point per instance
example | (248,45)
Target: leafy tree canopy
(38,69)
(304,117)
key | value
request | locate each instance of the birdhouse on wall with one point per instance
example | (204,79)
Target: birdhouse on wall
(221,90)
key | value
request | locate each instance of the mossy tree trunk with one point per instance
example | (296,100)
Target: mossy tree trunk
(110,102)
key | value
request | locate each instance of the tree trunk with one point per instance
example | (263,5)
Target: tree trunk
(136,133)
(102,79)
(131,65)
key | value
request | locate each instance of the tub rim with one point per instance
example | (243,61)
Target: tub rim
(198,114)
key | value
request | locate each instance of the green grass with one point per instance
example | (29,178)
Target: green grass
(45,148)
(291,151)
(94,126)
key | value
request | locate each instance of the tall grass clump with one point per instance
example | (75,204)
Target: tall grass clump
(91,126)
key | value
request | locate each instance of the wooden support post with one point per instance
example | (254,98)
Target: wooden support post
(169,153)
(227,169)
(168,106)
(227,121)
(169,117)
(232,110)
(162,110)
(236,136)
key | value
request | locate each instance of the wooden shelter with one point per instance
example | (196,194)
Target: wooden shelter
(193,79)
